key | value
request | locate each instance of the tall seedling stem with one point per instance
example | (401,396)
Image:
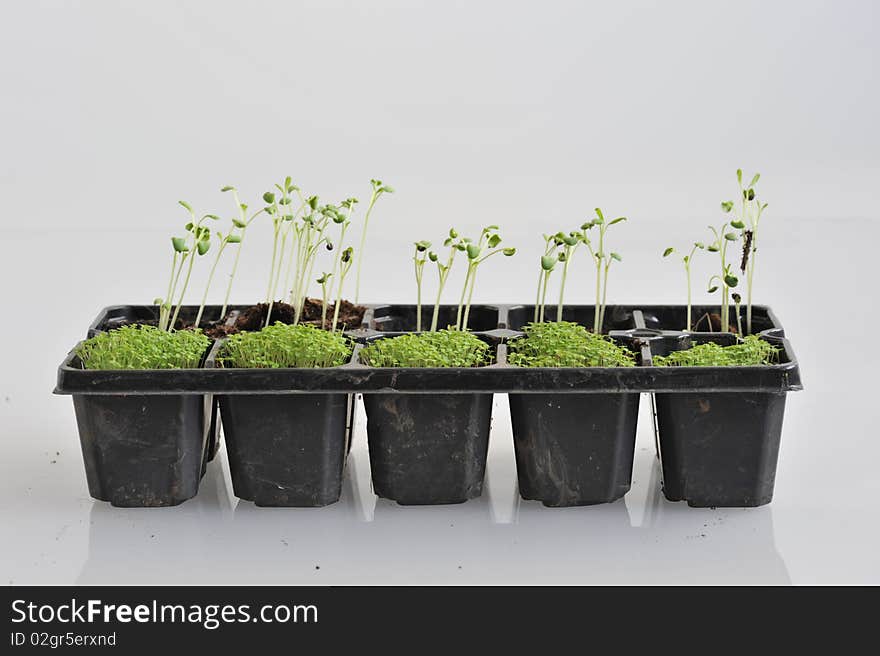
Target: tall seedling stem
(344,267)
(420,257)
(477,253)
(687,259)
(747,221)
(378,189)
(603,262)
(242,223)
(455,245)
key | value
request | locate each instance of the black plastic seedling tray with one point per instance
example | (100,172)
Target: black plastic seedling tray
(574,428)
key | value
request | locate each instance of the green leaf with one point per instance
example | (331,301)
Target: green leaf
(730,236)
(213,217)
(233,239)
(548,262)
(616,256)
(669,251)
(617,220)
(739,225)
(227,188)
(699,245)
(726,206)
(494,240)
(313,202)
(600,215)
(188,207)
(731,280)
(473,251)
(713,248)
(203,246)
(269,197)
(712,290)
(739,175)
(432,256)
(179,244)
(452,233)
(571,240)
(509,251)
(238,223)
(755,179)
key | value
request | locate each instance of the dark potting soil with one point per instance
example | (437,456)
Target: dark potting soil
(254,318)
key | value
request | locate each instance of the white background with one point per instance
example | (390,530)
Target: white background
(525,115)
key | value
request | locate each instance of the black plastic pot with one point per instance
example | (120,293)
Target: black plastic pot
(719,448)
(139,450)
(574,449)
(286,449)
(428,448)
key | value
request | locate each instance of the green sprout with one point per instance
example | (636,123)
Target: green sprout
(442,348)
(749,351)
(186,250)
(455,244)
(345,263)
(143,347)
(279,209)
(229,238)
(241,222)
(566,344)
(725,280)
(323,280)
(282,346)
(548,263)
(603,260)
(379,188)
(746,220)
(477,253)
(557,248)
(687,259)
(419,259)
(309,233)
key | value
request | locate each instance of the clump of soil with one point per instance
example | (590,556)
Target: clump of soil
(254,318)
(712,323)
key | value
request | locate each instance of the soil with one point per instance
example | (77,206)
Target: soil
(712,323)
(254,318)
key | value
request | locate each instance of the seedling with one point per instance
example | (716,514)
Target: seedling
(725,280)
(280,211)
(557,248)
(379,188)
(186,250)
(747,220)
(566,344)
(687,259)
(144,347)
(419,259)
(323,280)
(309,237)
(455,244)
(750,351)
(230,237)
(477,253)
(286,346)
(242,223)
(603,260)
(345,263)
(443,348)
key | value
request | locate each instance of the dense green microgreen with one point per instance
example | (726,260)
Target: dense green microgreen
(566,344)
(442,348)
(420,257)
(750,351)
(379,188)
(687,259)
(286,346)
(455,244)
(603,259)
(143,347)
(477,252)
(186,251)
(747,217)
